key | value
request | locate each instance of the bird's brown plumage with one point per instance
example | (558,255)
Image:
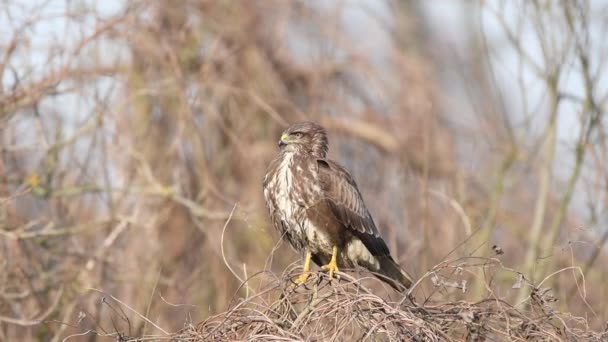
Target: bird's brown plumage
(315,204)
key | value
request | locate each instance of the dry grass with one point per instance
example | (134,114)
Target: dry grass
(346,309)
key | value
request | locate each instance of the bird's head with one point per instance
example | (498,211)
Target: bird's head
(307,137)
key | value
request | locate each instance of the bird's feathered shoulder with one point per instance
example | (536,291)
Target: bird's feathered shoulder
(346,202)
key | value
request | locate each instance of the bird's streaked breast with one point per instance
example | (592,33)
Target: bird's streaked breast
(278,191)
(283,186)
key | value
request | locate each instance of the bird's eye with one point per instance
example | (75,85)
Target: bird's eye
(297,134)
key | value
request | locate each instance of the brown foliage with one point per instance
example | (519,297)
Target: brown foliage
(130,135)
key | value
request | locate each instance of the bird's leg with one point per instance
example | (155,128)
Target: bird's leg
(332,267)
(302,278)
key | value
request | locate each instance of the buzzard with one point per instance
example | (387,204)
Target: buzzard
(315,204)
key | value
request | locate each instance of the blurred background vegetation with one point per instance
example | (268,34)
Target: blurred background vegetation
(131,131)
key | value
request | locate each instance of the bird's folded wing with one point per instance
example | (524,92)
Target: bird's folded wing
(347,205)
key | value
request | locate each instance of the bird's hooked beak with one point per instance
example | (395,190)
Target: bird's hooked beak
(283,141)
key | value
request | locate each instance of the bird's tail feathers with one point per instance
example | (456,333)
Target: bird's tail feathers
(397,277)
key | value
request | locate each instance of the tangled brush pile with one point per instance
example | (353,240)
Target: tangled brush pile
(345,309)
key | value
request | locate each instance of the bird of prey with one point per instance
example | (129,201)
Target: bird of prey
(315,204)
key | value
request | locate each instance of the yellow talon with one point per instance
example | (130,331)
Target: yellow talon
(332,267)
(302,278)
